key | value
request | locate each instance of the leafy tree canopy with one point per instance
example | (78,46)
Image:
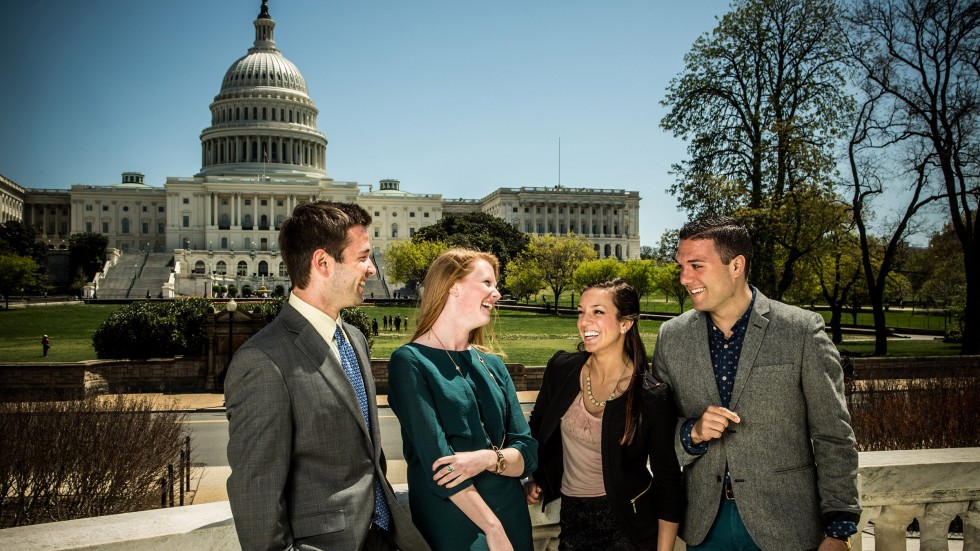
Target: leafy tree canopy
(20,239)
(557,258)
(16,274)
(480,231)
(86,253)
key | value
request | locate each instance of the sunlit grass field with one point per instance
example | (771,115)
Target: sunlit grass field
(69,326)
(530,338)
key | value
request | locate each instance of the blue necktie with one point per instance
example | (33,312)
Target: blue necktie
(382,516)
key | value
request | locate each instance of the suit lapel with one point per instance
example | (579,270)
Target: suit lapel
(755,333)
(701,349)
(309,341)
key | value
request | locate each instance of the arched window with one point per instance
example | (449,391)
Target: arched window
(263,268)
(243,267)
(619,252)
(282,270)
(263,222)
(221,268)
(247,222)
(394,231)
(279,220)
(125,225)
(608,251)
(225,221)
(199,267)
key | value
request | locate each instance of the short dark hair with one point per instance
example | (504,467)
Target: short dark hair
(317,225)
(731,238)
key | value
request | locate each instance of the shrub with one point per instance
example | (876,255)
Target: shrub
(152,330)
(83,458)
(356,317)
(915,414)
(953,336)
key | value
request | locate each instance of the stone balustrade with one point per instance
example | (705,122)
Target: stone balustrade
(933,486)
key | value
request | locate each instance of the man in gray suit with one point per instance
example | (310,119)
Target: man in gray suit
(764,436)
(307,467)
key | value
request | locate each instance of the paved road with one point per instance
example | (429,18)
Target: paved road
(209,436)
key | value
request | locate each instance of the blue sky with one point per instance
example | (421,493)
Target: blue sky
(451,97)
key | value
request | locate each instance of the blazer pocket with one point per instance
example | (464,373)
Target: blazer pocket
(318,523)
(774,368)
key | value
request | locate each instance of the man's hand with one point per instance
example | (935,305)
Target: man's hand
(713,424)
(532,492)
(833,544)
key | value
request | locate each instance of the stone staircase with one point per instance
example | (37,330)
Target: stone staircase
(135,275)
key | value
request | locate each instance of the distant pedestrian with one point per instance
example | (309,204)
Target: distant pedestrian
(374,326)
(385,319)
(405,321)
(147,293)
(45,344)
(398,323)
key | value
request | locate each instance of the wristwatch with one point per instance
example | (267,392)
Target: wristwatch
(501,462)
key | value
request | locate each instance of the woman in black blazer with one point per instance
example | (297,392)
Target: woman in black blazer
(599,419)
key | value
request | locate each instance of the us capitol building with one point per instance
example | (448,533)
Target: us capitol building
(263,155)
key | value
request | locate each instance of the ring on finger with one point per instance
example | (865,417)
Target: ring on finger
(450,469)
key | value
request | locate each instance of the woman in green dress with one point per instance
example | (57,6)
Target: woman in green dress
(464,434)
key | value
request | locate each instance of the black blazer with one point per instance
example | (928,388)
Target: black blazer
(638,498)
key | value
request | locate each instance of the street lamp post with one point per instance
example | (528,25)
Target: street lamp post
(231,306)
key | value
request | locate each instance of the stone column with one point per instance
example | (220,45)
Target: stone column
(934,525)
(971,527)
(891,524)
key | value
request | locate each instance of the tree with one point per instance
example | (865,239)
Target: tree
(86,254)
(524,278)
(16,273)
(20,239)
(945,280)
(557,258)
(667,278)
(639,274)
(761,102)
(480,231)
(646,252)
(594,271)
(408,261)
(837,268)
(918,60)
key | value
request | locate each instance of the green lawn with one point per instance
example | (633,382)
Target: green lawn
(526,337)
(69,326)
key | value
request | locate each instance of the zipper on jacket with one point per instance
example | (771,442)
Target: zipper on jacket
(633,501)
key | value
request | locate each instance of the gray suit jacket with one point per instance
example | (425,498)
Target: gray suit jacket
(303,463)
(792,459)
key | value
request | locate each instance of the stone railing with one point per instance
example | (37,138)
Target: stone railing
(933,486)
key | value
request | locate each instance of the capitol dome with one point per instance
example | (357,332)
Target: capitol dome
(263,68)
(263,115)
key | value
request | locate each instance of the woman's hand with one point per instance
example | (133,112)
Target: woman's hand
(452,470)
(532,492)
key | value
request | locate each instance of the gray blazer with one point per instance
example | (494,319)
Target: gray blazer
(303,464)
(792,459)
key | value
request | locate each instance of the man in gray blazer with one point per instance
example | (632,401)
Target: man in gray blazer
(307,467)
(764,436)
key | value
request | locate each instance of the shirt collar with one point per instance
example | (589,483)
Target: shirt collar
(324,324)
(738,330)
